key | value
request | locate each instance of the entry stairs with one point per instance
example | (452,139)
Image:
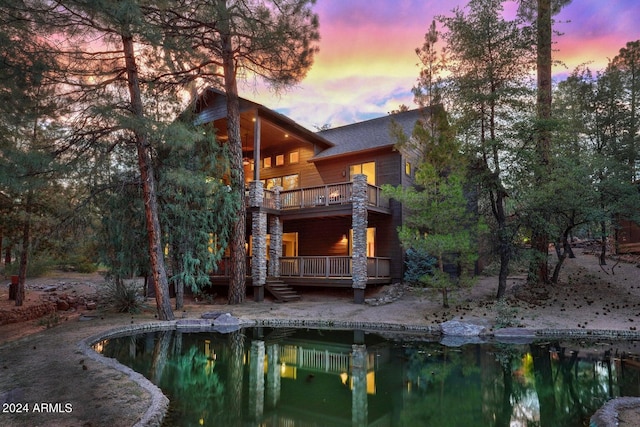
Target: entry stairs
(280,290)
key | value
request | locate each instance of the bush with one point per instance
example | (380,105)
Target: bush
(123,298)
(37,266)
(418,264)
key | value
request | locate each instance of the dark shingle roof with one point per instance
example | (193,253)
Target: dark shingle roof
(368,135)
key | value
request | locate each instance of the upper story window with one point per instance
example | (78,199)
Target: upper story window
(294,157)
(368,169)
(287,182)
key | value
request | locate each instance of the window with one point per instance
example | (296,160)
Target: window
(294,157)
(287,182)
(407,168)
(290,182)
(368,169)
(272,182)
(280,160)
(266,162)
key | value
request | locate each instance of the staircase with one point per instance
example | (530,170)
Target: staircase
(280,290)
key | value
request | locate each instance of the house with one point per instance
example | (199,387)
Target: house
(316,214)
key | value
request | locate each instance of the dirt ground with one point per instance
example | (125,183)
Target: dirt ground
(41,363)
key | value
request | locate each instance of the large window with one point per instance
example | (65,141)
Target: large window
(287,182)
(368,169)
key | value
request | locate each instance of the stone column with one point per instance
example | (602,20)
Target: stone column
(259,234)
(275,226)
(359,403)
(273,376)
(275,250)
(256,380)
(359,244)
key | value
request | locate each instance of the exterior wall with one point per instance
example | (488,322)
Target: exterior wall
(309,175)
(337,169)
(321,237)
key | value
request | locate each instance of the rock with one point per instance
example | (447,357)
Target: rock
(91,305)
(389,295)
(212,314)
(62,305)
(462,329)
(226,319)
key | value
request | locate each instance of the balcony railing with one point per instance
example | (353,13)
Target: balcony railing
(331,267)
(327,195)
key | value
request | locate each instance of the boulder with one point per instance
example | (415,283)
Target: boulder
(62,305)
(462,329)
(226,319)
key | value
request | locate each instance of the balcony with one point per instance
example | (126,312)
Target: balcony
(322,196)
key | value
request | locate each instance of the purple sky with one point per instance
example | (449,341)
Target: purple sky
(367,64)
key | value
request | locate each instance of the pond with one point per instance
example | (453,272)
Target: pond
(307,377)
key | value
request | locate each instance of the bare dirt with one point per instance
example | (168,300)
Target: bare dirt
(40,361)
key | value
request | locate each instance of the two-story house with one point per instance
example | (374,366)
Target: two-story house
(316,215)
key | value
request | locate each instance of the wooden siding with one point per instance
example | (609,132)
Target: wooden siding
(321,237)
(307,172)
(337,169)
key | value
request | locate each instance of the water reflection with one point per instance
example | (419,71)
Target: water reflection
(293,377)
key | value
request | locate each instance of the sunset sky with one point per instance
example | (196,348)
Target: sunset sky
(367,63)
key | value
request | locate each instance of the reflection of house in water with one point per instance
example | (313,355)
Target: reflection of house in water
(303,380)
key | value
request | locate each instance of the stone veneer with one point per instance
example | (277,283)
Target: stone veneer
(259,233)
(275,228)
(359,225)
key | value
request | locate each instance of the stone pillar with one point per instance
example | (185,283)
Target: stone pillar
(273,376)
(259,234)
(275,227)
(256,194)
(359,244)
(275,250)
(359,403)
(256,380)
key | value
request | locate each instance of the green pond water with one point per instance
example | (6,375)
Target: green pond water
(307,378)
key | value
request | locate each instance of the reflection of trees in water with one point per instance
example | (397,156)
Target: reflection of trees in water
(233,395)
(480,386)
(445,386)
(193,377)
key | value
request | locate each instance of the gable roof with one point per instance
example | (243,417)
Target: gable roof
(368,135)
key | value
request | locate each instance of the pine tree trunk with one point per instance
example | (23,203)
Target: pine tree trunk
(238,269)
(540,239)
(24,257)
(145,165)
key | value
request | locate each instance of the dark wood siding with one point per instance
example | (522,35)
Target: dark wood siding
(321,237)
(337,169)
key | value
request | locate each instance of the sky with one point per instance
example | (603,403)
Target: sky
(367,64)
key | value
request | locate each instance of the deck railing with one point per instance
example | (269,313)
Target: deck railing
(327,195)
(322,195)
(331,267)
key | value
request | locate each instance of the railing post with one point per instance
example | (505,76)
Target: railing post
(359,225)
